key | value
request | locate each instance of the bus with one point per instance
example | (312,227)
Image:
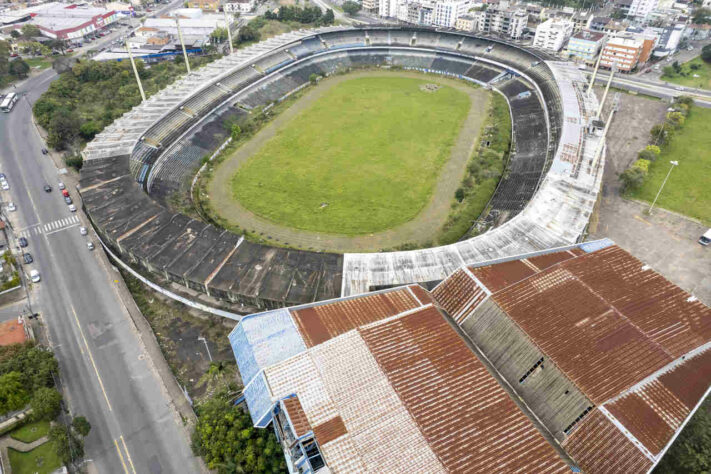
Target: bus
(8,102)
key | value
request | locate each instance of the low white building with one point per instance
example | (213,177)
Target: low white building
(552,34)
(245,6)
(197,24)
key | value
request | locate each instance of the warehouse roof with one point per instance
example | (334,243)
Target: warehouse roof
(387,381)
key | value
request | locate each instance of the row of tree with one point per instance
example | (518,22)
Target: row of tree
(661,134)
(304,15)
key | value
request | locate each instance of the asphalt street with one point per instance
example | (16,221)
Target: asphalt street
(104,370)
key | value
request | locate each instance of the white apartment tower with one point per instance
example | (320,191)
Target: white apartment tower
(552,34)
(504,22)
(446,12)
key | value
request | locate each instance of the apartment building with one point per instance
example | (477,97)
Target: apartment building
(466,23)
(637,8)
(627,51)
(502,21)
(446,12)
(552,34)
(425,12)
(585,45)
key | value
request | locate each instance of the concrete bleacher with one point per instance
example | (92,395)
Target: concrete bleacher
(546,200)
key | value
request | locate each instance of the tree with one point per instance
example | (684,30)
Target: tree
(329,17)
(69,446)
(89,129)
(15,34)
(351,7)
(30,31)
(13,395)
(706,53)
(235,132)
(661,134)
(63,129)
(676,119)
(701,16)
(459,195)
(81,426)
(218,35)
(632,178)
(649,153)
(46,403)
(35,363)
(19,68)
(313,78)
(225,437)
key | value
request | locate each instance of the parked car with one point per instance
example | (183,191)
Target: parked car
(5,186)
(45,151)
(27,258)
(61,185)
(35,276)
(47,188)
(72,208)
(70,50)
(90,245)
(83,231)
(2,176)
(67,199)
(23,242)
(65,193)
(706,238)
(11,207)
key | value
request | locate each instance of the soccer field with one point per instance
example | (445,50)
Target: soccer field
(362,158)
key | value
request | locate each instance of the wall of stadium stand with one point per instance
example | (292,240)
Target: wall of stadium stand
(130,169)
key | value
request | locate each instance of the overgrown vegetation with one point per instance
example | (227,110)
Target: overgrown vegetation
(93,94)
(226,438)
(684,137)
(693,73)
(483,173)
(25,376)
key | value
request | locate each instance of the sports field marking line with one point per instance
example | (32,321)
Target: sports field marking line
(128,455)
(643,220)
(91,357)
(123,463)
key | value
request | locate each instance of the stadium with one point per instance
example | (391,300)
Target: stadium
(543,201)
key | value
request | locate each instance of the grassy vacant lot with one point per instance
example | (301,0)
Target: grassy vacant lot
(687,190)
(31,432)
(41,460)
(686,77)
(365,157)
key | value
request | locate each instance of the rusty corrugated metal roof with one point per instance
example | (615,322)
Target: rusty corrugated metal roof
(542,262)
(330,430)
(458,293)
(320,323)
(296,413)
(470,422)
(599,447)
(498,276)
(421,294)
(690,380)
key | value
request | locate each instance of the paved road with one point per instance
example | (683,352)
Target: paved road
(655,88)
(106,375)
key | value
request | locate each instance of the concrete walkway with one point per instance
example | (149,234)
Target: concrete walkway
(8,442)
(422,229)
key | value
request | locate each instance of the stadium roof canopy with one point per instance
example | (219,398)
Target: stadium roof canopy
(578,358)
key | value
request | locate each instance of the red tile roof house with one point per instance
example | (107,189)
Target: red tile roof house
(581,358)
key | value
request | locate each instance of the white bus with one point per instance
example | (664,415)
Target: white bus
(8,102)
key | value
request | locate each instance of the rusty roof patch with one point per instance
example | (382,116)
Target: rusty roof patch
(598,446)
(642,421)
(330,430)
(457,293)
(296,413)
(548,260)
(421,294)
(320,323)
(690,380)
(499,276)
(469,421)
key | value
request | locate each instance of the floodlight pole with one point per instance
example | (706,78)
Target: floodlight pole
(182,43)
(229,32)
(135,72)
(594,74)
(673,164)
(607,89)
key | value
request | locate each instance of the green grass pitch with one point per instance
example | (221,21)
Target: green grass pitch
(363,158)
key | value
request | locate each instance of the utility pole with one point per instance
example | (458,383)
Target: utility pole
(135,72)
(182,43)
(673,164)
(229,31)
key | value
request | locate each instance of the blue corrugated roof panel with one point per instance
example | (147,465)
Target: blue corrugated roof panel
(264,339)
(595,245)
(259,401)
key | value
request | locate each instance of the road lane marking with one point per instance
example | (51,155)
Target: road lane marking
(128,455)
(61,229)
(643,220)
(123,463)
(49,227)
(91,357)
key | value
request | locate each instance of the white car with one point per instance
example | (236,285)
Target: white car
(72,208)
(35,276)
(11,207)
(61,186)
(90,245)
(83,231)
(5,186)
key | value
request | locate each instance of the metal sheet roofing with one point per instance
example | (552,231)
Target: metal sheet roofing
(499,276)
(330,430)
(470,422)
(610,321)
(598,446)
(320,323)
(297,416)
(459,293)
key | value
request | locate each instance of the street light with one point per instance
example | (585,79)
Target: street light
(673,164)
